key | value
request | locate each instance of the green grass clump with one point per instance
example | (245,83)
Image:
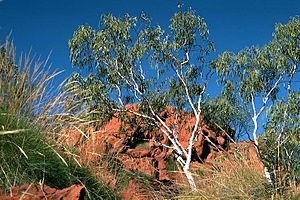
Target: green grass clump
(27,157)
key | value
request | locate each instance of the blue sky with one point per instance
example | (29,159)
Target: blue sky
(47,25)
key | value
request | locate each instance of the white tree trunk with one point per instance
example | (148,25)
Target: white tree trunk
(190,178)
(268,175)
(266,170)
(254,133)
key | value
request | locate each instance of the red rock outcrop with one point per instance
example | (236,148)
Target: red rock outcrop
(110,139)
(140,149)
(43,192)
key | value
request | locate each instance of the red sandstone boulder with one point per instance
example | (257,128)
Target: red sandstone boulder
(39,192)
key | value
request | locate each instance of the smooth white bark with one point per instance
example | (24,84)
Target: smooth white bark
(190,179)
(255,116)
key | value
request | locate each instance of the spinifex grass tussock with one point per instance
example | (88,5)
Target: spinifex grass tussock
(27,155)
(24,83)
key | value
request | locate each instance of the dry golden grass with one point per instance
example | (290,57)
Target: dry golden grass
(24,83)
(228,179)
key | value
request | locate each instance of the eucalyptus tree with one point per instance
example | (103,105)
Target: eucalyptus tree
(258,76)
(132,61)
(281,144)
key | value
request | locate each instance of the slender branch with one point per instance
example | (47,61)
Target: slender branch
(187,60)
(119,95)
(253,106)
(291,77)
(164,145)
(265,99)
(141,71)
(187,93)
(200,97)
(136,86)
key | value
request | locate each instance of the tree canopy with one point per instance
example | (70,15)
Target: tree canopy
(130,61)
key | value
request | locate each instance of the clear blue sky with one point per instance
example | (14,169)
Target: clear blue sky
(47,25)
